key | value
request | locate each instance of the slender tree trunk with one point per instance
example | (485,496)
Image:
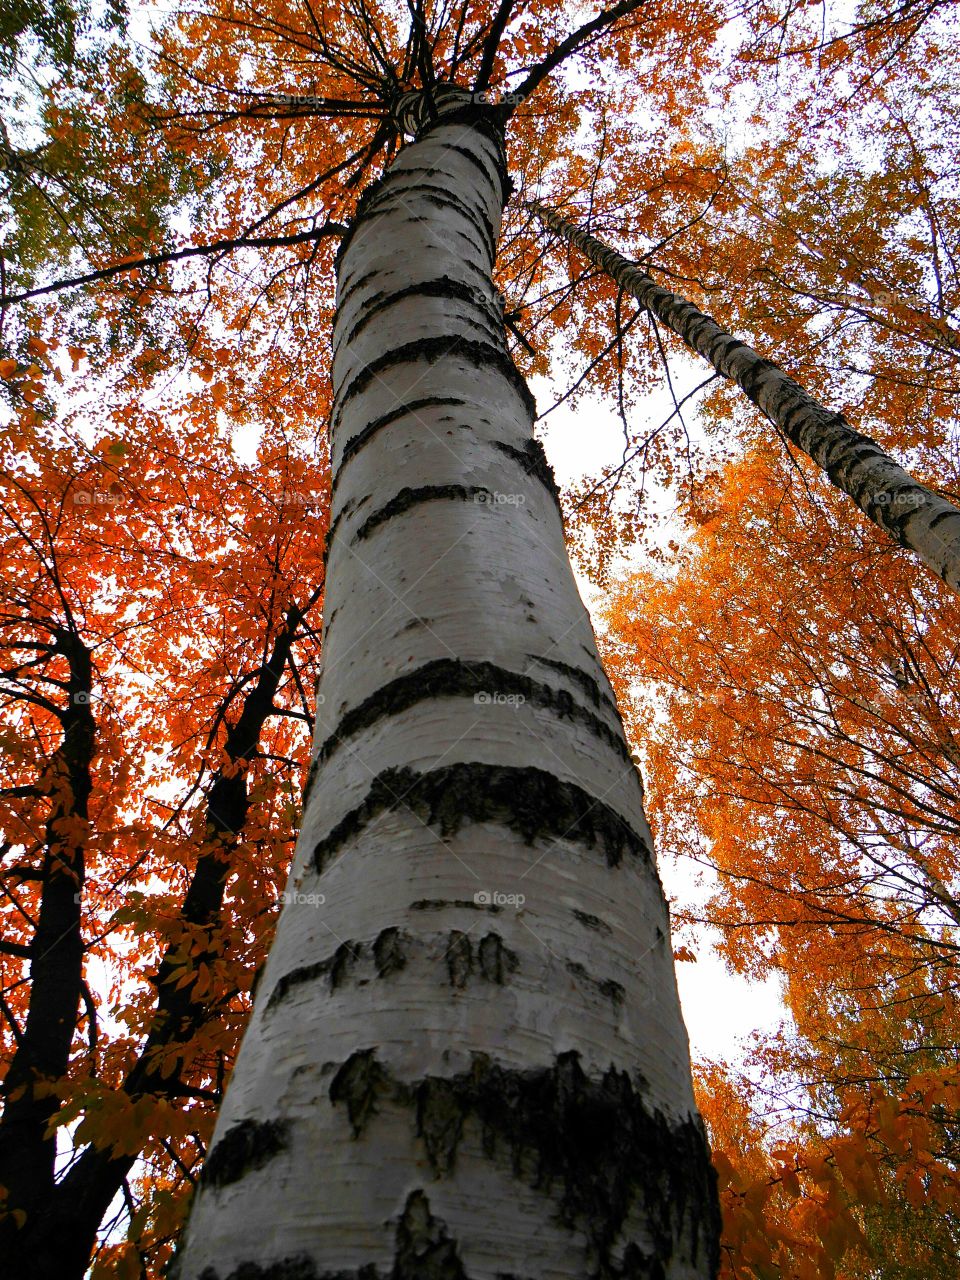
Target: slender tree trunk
(27,1148)
(911,513)
(466,1058)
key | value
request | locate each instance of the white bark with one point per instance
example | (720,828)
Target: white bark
(432,1086)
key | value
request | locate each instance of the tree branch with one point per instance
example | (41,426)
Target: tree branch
(176,255)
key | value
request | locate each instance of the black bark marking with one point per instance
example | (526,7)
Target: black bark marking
(256,980)
(534,462)
(299,1267)
(404,197)
(425,218)
(481,354)
(609,989)
(408,498)
(248,1145)
(586,682)
(389,951)
(638,1265)
(364,206)
(440,904)
(349,508)
(937,519)
(439,1122)
(424,1251)
(528,800)
(591,922)
(359,1083)
(444,287)
(336,967)
(475,160)
(409,408)
(408,196)
(452,678)
(459,958)
(347,292)
(417,187)
(484,118)
(291,1268)
(496,960)
(476,217)
(596,1139)
(309,784)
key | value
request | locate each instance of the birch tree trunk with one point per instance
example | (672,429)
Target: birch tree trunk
(466,1059)
(912,514)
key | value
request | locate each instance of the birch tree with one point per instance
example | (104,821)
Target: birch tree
(909,511)
(552,1051)
(466,1056)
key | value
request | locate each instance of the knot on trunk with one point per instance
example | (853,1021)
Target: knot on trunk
(417,109)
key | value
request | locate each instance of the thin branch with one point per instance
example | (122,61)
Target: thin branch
(176,255)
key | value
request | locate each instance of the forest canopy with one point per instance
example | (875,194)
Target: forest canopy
(175,185)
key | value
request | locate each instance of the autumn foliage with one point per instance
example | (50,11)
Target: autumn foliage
(821,785)
(789,676)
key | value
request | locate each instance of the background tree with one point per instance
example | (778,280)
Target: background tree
(149,795)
